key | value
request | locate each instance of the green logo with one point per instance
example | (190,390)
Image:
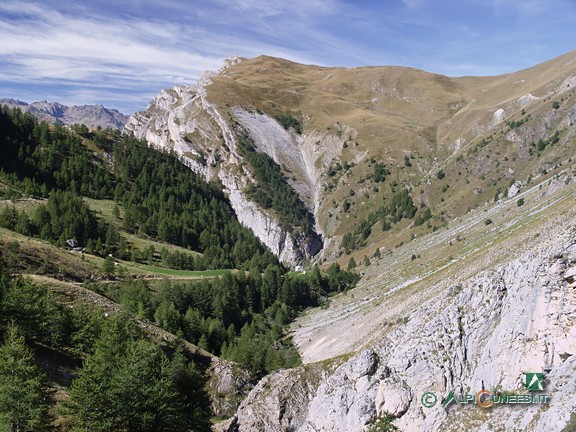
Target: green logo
(429,399)
(534,381)
(449,398)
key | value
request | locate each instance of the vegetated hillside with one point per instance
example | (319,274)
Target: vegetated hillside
(153,196)
(53,112)
(348,141)
(474,306)
(91,219)
(454,199)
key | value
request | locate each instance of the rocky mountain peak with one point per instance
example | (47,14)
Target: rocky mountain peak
(54,112)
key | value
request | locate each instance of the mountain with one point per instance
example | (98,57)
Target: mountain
(362,135)
(453,198)
(53,112)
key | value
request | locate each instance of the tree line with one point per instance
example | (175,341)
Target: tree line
(160,198)
(165,201)
(273,191)
(241,316)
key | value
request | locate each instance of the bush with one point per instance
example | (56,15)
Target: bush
(351,263)
(380,172)
(383,423)
(288,121)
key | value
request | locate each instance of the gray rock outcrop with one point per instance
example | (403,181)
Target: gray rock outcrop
(486,332)
(514,189)
(53,112)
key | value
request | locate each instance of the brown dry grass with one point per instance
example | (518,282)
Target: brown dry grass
(391,112)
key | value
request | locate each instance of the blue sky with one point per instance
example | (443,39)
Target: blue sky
(120,53)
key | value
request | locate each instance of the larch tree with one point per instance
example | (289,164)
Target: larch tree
(24,401)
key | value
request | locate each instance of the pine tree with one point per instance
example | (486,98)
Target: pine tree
(190,383)
(88,324)
(23,399)
(91,405)
(130,384)
(167,316)
(108,267)
(144,392)
(351,263)
(33,309)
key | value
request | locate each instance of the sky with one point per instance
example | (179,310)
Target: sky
(121,53)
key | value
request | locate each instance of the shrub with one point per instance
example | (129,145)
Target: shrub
(288,121)
(383,423)
(351,263)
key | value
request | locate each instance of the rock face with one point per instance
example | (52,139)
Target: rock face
(226,385)
(279,402)
(184,120)
(54,112)
(514,189)
(484,334)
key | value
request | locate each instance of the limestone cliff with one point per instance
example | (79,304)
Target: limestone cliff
(184,120)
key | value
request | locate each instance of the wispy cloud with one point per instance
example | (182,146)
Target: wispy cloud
(414,4)
(85,48)
(50,45)
(121,53)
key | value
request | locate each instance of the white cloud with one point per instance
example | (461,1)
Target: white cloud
(124,52)
(79,47)
(49,45)
(414,4)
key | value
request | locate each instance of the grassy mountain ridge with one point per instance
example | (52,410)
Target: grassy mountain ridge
(483,133)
